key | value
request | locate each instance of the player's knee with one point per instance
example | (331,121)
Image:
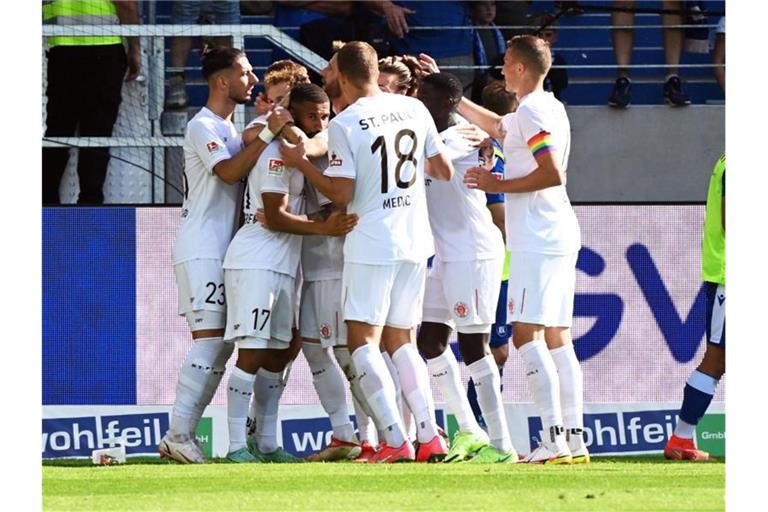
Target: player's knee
(500,354)
(248,360)
(432,340)
(473,347)
(713,363)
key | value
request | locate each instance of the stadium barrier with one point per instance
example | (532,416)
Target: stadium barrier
(113,342)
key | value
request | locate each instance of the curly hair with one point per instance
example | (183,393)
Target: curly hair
(407,70)
(285,71)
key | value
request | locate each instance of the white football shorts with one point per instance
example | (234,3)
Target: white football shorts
(541,289)
(321,316)
(202,300)
(463,294)
(261,308)
(390,295)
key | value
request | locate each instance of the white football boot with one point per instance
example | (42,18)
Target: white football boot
(186,451)
(551,451)
(575,439)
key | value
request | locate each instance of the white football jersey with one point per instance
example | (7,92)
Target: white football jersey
(254,246)
(210,207)
(461,222)
(382,142)
(542,221)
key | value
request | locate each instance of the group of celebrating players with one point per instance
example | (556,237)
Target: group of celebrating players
(313,234)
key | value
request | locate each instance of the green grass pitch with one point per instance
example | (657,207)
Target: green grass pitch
(613,484)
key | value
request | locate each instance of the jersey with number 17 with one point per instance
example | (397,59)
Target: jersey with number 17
(382,142)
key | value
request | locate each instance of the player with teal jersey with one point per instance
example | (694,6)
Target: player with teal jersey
(702,383)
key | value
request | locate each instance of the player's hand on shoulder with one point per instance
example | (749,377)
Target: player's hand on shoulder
(482,179)
(474,135)
(293,154)
(339,223)
(278,118)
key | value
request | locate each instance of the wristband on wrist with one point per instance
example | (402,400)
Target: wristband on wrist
(266,135)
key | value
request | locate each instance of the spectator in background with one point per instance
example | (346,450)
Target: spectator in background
(718,54)
(85,81)
(512,13)
(400,75)
(449,47)
(623,38)
(191,13)
(489,44)
(320,23)
(543,26)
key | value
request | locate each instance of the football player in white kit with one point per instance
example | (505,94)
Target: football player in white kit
(260,268)
(544,238)
(213,167)
(377,150)
(463,285)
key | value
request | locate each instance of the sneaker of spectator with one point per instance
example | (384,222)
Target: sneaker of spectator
(673,93)
(621,96)
(177,93)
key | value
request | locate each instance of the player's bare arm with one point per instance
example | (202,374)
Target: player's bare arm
(278,218)
(547,174)
(488,121)
(440,167)
(233,169)
(315,147)
(338,190)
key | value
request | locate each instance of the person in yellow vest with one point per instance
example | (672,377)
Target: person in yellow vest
(702,383)
(85,78)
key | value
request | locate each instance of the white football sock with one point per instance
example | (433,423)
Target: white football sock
(268,388)
(571,385)
(379,391)
(200,372)
(212,384)
(366,428)
(445,370)
(256,411)
(541,373)
(239,391)
(485,375)
(329,385)
(414,380)
(398,397)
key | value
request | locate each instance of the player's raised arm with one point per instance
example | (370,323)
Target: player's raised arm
(233,169)
(482,117)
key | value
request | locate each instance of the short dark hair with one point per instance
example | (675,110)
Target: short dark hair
(217,58)
(358,61)
(497,99)
(447,84)
(534,52)
(307,93)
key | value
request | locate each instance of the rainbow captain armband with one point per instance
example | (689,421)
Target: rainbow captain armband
(541,143)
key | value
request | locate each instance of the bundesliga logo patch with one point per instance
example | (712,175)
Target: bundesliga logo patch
(212,146)
(511,306)
(335,161)
(325,331)
(275,167)
(461,310)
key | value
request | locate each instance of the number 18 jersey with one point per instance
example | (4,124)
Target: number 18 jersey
(382,142)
